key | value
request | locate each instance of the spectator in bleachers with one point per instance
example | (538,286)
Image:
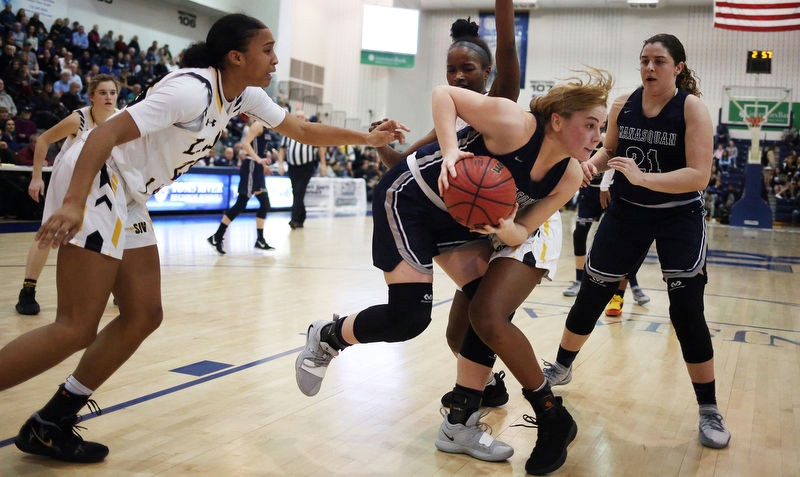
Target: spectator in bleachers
(226,159)
(719,152)
(73,98)
(9,50)
(7,17)
(25,127)
(94,38)
(17,33)
(120,45)
(46,45)
(85,61)
(108,67)
(208,161)
(80,40)
(160,69)
(6,155)
(790,164)
(107,43)
(6,101)
(62,85)
(733,151)
(146,76)
(134,43)
(36,22)
(10,136)
(31,37)
(25,155)
(44,103)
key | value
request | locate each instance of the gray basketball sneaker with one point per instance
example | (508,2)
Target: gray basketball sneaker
(639,296)
(555,374)
(713,432)
(573,289)
(313,360)
(473,438)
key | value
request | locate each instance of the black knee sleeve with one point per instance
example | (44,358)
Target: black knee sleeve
(579,236)
(406,315)
(263,199)
(686,312)
(471,288)
(473,348)
(238,207)
(589,304)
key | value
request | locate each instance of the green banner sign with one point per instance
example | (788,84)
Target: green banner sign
(382,58)
(778,118)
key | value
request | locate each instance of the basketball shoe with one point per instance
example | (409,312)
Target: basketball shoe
(639,296)
(473,438)
(494,394)
(313,360)
(27,304)
(713,432)
(556,374)
(573,289)
(614,307)
(216,242)
(556,429)
(263,245)
(60,440)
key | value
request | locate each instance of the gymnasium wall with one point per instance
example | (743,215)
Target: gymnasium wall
(607,38)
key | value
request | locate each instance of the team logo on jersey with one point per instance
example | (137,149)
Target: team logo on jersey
(140,228)
(211,122)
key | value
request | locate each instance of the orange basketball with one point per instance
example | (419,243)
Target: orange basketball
(482,192)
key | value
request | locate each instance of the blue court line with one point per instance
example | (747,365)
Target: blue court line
(666,317)
(177,388)
(189,384)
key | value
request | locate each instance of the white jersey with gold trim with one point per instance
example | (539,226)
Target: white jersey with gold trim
(179,119)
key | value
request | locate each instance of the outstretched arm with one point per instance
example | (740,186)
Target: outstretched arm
(316,134)
(506,84)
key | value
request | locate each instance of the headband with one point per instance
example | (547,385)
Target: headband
(477,48)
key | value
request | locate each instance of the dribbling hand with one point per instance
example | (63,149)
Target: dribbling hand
(449,167)
(60,227)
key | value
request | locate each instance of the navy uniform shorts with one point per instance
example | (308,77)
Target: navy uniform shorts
(626,232)
(589,209)
(408,226)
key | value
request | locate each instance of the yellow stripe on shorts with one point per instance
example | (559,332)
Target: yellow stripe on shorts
(117,230)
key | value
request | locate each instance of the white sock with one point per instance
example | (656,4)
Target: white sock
(75,387)
(491,381)
(541,387)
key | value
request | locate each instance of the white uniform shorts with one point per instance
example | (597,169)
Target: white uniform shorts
(542,249)
(111,223)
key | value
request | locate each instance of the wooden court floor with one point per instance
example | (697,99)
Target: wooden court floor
(240,318)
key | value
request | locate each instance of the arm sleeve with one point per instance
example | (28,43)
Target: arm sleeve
(608,178)
(259,105)
(179,99)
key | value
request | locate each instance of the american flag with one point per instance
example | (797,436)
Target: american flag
(757,15)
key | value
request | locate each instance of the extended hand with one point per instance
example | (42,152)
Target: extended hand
(387,132)
(627,166)
(60,227)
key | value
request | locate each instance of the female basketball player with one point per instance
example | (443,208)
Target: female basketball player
(469,64)
(103,90)
(660,142)
(413,228)
(121,164)
(251,181)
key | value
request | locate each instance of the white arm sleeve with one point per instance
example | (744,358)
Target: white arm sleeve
(178,100)
(259,105)
(608,178)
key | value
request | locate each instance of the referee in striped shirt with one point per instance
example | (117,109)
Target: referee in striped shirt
(302,160)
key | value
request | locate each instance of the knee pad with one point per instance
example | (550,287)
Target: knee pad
(471,288)
(589,304)
(406,315)
(475,350)
(686,313)
(263,198)
(579,236)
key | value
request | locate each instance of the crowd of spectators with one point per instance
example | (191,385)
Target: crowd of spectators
(44,73)
(781,175)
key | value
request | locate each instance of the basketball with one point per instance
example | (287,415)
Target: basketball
(482,192)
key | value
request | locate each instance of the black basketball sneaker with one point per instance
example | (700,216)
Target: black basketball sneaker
(58,440)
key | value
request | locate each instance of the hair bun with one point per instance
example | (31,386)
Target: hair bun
(461,28)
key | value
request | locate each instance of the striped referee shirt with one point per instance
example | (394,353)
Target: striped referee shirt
(298,154)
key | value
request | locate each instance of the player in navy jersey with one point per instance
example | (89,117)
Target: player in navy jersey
(592,202)
(659,142)
(107,243)
(251,182)
(412,228)
(469,66)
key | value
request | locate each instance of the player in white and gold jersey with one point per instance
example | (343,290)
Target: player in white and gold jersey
(120,165)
